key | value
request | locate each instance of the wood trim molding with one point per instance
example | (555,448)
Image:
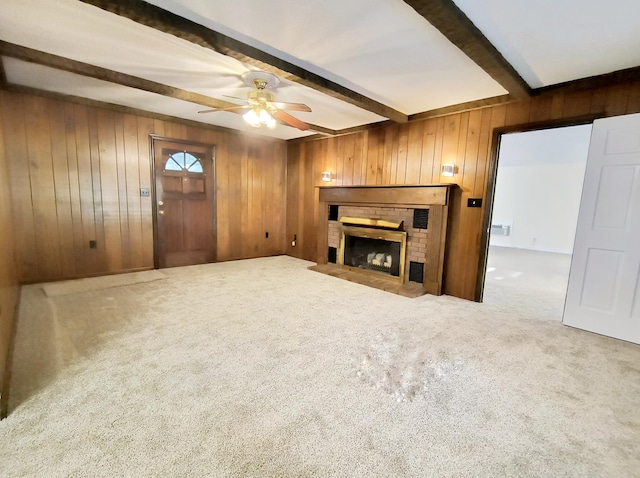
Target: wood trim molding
(5,386)
(599,81)
(460,107)
(341,132)
(492,174)
(3,74)
(167,22)
(364,127)
(128,110)
(456,26)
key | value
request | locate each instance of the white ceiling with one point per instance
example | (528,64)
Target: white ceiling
(383,50)
(551,41)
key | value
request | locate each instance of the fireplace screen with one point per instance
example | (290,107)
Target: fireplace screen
(373,249)
(373,254)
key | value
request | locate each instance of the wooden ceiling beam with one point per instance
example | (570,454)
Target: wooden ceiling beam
(167,22)
(77,67)
(459,30)
(72,66)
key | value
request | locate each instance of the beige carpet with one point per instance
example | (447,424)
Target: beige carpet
(261,368)
(528,280)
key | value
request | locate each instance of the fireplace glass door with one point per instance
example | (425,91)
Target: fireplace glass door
(373,249)
(372,254)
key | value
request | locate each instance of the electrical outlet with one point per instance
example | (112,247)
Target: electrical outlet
(93,244)
(474,202)
(145,192)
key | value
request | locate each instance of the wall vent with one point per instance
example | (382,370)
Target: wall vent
(332,256)
(416,271)
(420,219)
(333,212)
(500,230)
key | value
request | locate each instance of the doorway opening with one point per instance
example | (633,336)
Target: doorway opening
(538,188)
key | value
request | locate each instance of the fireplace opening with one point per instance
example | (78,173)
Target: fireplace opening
(372,254)
(373,249)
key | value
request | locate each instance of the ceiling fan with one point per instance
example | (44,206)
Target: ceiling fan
(263,110)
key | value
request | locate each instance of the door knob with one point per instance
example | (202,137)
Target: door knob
(160,203)
(161,213)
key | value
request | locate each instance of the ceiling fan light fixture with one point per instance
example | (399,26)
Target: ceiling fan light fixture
(252,118)
(261,105)
(261,80)
(265,117)
(259,116)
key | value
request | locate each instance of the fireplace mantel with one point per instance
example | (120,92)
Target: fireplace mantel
(435,198)
(390,195)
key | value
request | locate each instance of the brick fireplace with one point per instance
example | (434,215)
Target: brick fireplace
(421,212)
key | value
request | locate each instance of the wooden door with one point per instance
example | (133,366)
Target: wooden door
(603,295)
(185,204)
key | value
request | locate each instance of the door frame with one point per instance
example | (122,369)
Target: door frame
(491,182)
(154,200)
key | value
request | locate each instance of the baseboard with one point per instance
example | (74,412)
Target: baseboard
(6,382)
(87,276)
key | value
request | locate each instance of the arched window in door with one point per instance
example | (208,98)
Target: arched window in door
(183,162)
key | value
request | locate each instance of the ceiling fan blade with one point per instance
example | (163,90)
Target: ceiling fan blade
(230,108)
(282,105)
(235,97)
(290,120)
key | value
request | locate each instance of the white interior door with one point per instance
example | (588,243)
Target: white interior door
(603,294)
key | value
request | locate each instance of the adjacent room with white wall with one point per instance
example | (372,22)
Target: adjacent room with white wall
(535,212)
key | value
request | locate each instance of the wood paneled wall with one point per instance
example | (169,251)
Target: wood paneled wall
(8,273)
(76,173)
(413,154)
